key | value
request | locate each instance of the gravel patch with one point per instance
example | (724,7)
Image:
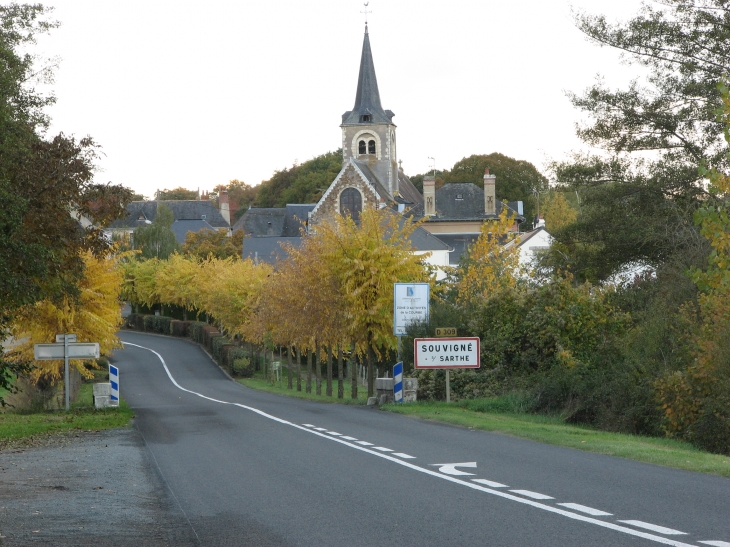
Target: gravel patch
(87,488)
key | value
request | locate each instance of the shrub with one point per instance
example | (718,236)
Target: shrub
(195,330)
(242,367)
(208,334)
(157,323)
(216,344)
(179,328)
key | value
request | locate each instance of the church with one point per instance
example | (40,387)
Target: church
(372,177)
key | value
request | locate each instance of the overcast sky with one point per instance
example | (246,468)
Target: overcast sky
(196,94)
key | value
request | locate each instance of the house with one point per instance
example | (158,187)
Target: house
(189,215)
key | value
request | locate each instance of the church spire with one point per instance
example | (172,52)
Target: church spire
(367,107)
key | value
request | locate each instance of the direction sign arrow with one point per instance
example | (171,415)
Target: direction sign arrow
(450,468)
(80,350)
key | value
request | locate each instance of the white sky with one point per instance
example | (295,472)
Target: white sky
(196,94)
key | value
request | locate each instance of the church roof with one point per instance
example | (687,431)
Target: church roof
(409,193)
(367,100)
(371,178)
(296,218)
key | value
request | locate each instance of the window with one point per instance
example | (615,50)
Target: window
(361,147)
(365,118)
(371,147)
(351,203)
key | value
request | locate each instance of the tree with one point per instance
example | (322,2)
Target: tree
(93,317)
(157,240)
(241,196)
(639,198)
(367,259)
(215,243)
(176,194)
(303,183)
(558,212)
(491,263)
(43,182)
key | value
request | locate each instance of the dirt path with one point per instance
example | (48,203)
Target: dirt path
(87,488)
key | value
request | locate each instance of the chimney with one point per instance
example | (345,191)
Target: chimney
(429,195)
(223,205)
(490,199)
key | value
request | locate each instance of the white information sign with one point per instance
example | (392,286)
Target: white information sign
(446,352)
(410,304)
(80,350)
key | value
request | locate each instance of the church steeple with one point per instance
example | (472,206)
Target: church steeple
(367,107)
(368,131)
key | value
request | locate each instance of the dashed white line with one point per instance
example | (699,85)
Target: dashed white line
(405,456)
(349,438)
(382,449)
(308,425)
(654,527)
(584,509)
(334,433)
(533,495)
(490,483)
(716,543)
(364,443)
(320,429)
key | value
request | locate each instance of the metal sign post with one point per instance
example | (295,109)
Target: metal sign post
(114,381)
(398,382)
(66,348)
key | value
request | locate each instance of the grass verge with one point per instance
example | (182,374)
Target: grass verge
(258,382)
(552,430)
(82,416)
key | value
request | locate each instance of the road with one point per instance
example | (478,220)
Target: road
(250,468)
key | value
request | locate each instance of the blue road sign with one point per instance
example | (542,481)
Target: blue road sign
(398,382)
(114,381)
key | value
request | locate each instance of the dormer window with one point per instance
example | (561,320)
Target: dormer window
(459,196)
(371,147)
(361,147)
(365,118)
(202,217)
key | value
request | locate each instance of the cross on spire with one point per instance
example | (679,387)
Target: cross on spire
(366,12)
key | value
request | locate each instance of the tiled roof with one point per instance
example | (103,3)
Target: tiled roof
(182,227)
(144,212)
(268,249)
(262,222)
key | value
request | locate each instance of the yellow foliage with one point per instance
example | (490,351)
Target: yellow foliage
(492,263)
(558,212)
(95,317)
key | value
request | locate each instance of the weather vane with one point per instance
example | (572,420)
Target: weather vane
(366,11)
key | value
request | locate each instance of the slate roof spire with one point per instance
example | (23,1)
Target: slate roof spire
(367,107)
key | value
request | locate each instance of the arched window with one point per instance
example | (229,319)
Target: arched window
(361,147)
(371,147)
(351,203)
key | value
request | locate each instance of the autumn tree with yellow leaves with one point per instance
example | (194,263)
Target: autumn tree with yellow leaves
(94,317)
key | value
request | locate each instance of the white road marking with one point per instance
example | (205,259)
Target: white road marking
(533,495)
(654,527)
(320,429)
(406,456)
(584,509)
(382,449)
(490,483)
(307,425)
(389,457)
(349,438)
(450,468)
(364,443)
(716,543)
(335,433)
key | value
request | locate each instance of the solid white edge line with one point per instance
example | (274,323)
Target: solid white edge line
(382,449)
(505,495)
(349,438)
(716,543)
(654,527)
(586,509)
(364,443)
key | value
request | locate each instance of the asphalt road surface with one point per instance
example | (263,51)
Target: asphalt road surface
(250,468)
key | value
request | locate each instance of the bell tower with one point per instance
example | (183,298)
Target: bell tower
(368,131)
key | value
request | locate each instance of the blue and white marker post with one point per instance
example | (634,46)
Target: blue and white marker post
(398,382)
(114,381)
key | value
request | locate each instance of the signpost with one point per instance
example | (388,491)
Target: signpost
(446,353)
(66,348)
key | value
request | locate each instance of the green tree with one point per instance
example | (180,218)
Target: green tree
(216,243)
(176,194)
(638,201)
(157,240)
(303,183)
